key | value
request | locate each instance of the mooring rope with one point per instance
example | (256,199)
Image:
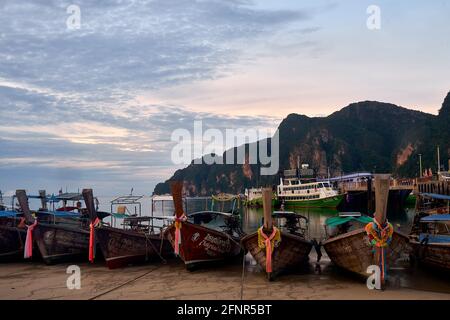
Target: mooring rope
(243,275)
(154,248)
(123,284)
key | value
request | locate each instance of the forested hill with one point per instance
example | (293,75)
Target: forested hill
(364,136)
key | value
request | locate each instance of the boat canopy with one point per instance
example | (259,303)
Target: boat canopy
(436,196)
(8,213)
(436,218)
(164,197)
(336,221)
(130,199)
(60,214)
(351,176)
(68,196)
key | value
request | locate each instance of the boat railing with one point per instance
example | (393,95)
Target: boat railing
(437,187)
(146,224)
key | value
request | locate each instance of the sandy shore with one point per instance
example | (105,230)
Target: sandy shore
(171,281)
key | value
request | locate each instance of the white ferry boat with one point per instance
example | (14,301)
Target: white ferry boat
(292,191)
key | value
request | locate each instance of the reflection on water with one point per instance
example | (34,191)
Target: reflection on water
(252,220)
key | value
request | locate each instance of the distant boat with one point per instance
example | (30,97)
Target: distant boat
(292,191)
(430,240)
(253,197)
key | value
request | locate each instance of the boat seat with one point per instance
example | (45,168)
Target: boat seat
(121,209)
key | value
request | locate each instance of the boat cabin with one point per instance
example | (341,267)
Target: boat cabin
(291,222)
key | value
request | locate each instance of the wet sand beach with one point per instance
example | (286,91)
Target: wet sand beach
(34,280)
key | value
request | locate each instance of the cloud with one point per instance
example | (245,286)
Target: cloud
(43,137)
(69,99)
(128,45)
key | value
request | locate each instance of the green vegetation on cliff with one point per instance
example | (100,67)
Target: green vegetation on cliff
(364,136)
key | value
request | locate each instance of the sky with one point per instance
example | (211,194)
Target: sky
(95,106)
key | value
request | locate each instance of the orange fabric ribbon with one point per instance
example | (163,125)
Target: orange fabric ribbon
(92,239)
(178,225)
(268,245)
(28,252)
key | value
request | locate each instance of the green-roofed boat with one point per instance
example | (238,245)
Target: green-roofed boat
(349,246)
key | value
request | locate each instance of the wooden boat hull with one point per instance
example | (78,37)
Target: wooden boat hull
(291,253)
(329,202)
(12,239)
(201,245)
(353,252)
(124,247)
(60,243)
(432,254)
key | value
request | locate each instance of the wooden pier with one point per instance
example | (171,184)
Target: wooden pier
(395,185)
(437,187)
(361,194)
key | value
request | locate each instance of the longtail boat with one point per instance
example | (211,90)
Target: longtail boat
(430,241)
(202,237)
(13,229)
(358,242)
(121,247)
(12,235)
(274,250)
(57,241)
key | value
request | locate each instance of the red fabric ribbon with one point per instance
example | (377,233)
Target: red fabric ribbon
(28,252)
(92,239)
(177,240)
(268,244)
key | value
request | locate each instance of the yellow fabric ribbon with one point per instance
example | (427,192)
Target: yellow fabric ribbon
(274,242)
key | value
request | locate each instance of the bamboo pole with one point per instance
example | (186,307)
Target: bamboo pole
(176,188)
(88,196)
(43,196)
(381,196)
(22,197)
(267,207)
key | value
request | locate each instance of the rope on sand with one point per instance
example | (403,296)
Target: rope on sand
(123,284)
(243,275)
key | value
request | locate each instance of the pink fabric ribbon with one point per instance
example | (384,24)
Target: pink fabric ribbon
(28,252)
(268,244)
(177,241)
